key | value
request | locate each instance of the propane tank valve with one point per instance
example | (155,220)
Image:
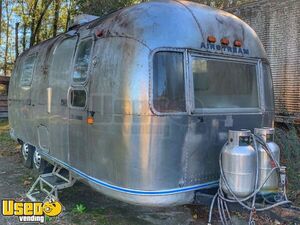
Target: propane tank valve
(282,184)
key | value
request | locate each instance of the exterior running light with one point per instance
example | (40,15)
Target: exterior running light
(211,39)
(225,41)
(237,43)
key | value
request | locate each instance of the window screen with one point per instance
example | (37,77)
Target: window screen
(27,70)
(224,84)
(78,98)
(268,87)
(168,82)
(82,61)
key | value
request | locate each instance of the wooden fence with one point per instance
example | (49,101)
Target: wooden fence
(4,82)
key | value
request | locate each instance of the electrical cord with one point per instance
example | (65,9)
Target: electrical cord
(222,201)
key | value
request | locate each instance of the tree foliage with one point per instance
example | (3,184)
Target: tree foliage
(36,20)
(24,23)
(106,6)
(103,6)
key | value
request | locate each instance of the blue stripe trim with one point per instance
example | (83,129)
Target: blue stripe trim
(132,191)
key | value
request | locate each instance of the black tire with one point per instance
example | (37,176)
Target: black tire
(40,165)
(27,153)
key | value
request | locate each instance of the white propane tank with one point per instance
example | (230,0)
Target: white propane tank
(238,159)
(265,162)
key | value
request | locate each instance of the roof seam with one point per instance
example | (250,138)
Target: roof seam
(193,15)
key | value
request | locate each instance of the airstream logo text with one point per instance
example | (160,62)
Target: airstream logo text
(221,48)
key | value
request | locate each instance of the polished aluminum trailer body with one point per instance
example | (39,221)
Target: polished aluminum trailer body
(135,151)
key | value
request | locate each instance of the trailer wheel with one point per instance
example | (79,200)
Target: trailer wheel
(27,153)
(40,164)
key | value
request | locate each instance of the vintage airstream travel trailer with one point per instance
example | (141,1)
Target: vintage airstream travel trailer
(138,103)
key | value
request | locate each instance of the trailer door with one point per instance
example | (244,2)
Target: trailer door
(23,97)
(78,105)
(59,82)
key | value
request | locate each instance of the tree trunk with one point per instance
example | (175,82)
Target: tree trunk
(32,14)
(39,22)
(25,25)
(7,38)
(0,22)
(56,16)
(37,37)
(17,39)
(45,34)
(24,36)
(68,20)
(69,9)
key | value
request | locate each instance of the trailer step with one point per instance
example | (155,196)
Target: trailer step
(47,185)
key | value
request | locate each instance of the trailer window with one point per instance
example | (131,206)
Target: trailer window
(78,98)
(168,82)
(224,84)
(27,70)
(268,87)
(62,60)
(82,60)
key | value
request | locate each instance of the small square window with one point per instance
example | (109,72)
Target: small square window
(78,98)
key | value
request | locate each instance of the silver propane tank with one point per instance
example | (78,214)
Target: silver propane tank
(238,159)
(265,164)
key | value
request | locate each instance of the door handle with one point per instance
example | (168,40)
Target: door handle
(49,99)
(64,102)
(200,119)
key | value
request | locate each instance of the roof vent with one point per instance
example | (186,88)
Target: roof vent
(81,20)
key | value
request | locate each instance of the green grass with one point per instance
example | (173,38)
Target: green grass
(79,208)
(4,133)
(287,137)
(8,146)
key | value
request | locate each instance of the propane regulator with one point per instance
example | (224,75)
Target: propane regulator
(249,167)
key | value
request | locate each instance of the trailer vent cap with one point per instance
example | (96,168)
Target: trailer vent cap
(81,20)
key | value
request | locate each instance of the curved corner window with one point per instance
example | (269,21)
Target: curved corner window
(221,84)
(27,70)
(168,82)
(78,98)
(268,87)
(82,61)
(62,61)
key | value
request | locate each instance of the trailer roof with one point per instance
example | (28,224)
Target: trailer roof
(181,24)
(176,24)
